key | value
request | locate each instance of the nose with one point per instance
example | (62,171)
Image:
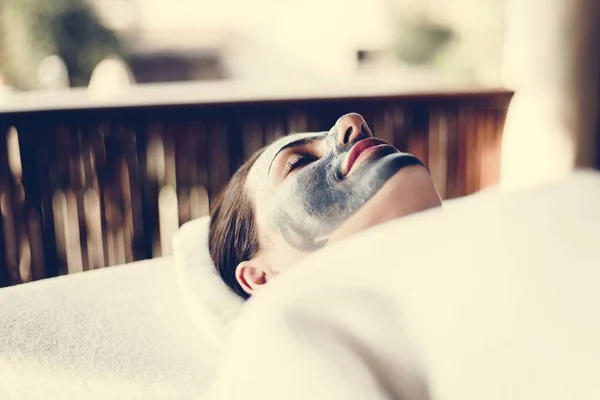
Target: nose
(350,127)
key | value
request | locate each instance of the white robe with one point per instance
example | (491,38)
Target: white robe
(496,298)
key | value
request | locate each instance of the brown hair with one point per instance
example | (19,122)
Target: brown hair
(233,237)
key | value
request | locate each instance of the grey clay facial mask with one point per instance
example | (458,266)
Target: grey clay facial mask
(320,200)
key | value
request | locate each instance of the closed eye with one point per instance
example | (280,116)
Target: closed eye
(297,161)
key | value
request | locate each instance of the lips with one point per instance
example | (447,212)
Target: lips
(360,152)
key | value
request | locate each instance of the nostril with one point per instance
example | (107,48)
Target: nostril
(347,135)
(350,128)
(365,131)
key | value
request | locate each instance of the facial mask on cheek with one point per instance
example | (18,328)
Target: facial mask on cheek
(316,203)
(309,207)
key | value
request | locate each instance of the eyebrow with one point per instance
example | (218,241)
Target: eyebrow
(295,143)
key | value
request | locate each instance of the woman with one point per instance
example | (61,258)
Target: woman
(305,191)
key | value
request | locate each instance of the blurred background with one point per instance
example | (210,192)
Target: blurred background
(121,119)
(63,43)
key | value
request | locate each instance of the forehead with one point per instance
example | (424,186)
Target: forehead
(259,171)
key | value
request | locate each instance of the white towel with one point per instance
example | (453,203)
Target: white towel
(116,333)
(497,298)
(210,303)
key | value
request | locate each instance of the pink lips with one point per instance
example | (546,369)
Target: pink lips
(360,152)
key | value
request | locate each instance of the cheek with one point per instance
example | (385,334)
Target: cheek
(315,188)
(294,196)
(277,253)
(311,187)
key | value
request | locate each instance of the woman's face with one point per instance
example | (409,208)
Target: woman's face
(310,189)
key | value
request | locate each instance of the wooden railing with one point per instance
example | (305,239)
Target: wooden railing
(87,183)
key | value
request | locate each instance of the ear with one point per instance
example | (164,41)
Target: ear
(251,275)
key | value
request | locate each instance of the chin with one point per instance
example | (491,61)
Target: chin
(408,191)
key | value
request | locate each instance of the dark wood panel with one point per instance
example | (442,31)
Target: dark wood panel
(96,187)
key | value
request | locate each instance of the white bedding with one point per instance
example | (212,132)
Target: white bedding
(497,298)
(117,333)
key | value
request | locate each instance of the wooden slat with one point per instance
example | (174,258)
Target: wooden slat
(452,157)
(31,161)
(13,210)
(471,147)
(253,136)
(218,155)
(488,166)
(4,182)
(419,133)
(438,149)
(383,125)
(400,117)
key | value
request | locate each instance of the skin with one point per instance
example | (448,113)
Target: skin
(322,200)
